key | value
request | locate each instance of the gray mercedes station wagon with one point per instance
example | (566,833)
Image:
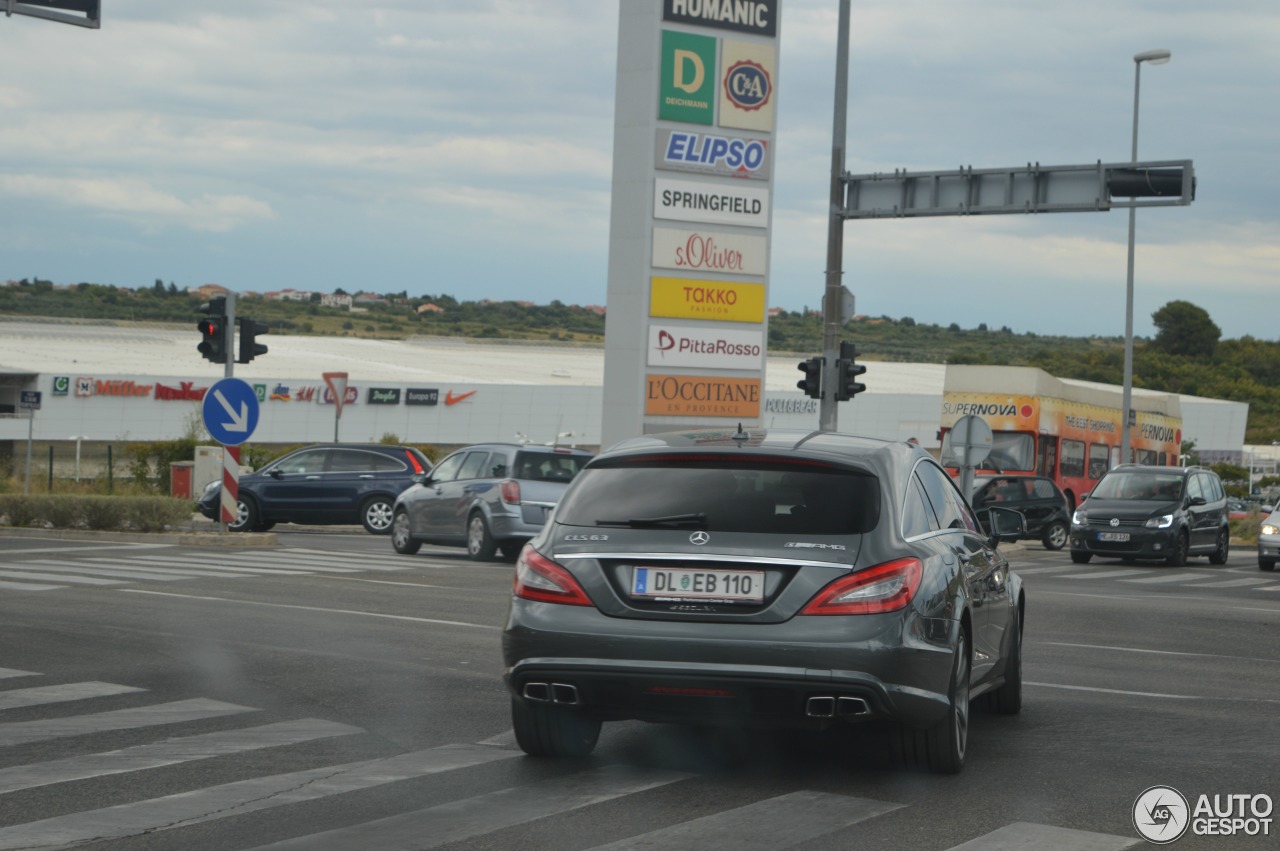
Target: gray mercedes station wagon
(765,579)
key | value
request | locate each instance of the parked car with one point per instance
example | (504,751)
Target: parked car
(1143,512)
(487,497)
(763,578)
(1269,541)
(1042,503)
(327,484)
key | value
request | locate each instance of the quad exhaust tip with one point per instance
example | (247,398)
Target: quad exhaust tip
(830,706)
(562,693)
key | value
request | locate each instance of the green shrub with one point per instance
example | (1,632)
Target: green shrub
(103,512)
(17,509)
(155,513)
(63,511)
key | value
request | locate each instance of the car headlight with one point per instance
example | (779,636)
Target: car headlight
(1162,522)
(1267,529)
(1080,517)
(212,486)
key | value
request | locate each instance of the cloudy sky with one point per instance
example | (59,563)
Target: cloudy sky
(464,147)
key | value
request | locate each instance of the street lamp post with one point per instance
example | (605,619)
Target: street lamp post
(1155,57)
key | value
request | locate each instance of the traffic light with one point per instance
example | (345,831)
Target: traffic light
(847,372)
(811,384)
(249,347)
(213,331)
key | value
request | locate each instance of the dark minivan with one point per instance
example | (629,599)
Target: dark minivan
(327,484)
(1142,512)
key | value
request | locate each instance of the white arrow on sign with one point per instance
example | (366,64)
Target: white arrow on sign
(239,422)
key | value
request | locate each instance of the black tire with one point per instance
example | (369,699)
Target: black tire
(1178,555)
(1220,552)
(941,748)
(401,541)
(1081,558)
(547,730)
(376,516)
(511,551)
(1007,699)
(1266,564)
(1054,536)
(480,544)
(246,516)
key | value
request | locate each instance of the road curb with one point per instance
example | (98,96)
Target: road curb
(186,538)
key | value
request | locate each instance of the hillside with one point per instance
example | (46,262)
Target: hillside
(1186,356)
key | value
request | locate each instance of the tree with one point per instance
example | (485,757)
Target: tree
(1185,329)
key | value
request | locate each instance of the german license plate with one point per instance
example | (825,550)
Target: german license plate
(1113,537)
(677,583)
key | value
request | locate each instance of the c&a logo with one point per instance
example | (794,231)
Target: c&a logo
(1161,815)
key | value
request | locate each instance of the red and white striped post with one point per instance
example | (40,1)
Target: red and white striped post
(230,484)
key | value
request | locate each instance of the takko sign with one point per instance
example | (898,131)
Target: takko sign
(701,396)
(689,298)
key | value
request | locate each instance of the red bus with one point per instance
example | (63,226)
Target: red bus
(1067,430)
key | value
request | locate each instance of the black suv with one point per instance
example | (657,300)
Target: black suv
(1139,512)
(328,484)
(1041,502)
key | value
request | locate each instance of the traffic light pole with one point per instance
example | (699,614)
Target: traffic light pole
(831,304)
(229,337)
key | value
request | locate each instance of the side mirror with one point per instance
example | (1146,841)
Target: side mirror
(420,478)
(275,473)
(1004,524)
(1199,500)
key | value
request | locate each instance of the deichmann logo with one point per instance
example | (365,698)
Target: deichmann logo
(688,86)
(1162,814)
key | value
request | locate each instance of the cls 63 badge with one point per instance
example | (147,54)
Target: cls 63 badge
(586,537)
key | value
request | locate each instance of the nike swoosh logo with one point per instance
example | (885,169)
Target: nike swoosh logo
(451,399)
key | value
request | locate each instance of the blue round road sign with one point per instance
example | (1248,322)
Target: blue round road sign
(230,411)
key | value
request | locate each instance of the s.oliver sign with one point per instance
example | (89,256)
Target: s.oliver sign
(705,348)
(701,396)
(709,251)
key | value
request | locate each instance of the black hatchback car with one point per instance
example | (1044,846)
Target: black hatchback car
(764,579)
(327,484)
(1041,501)
(1141,512)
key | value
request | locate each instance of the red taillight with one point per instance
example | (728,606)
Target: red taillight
(540,579)
(413,460)
(884,588)
(510,491)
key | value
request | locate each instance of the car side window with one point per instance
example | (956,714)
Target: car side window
(947,503)
(1195,487)
(446,469)
(917,516)
(311,461)
(473,465)
(1218,492)
(359,461)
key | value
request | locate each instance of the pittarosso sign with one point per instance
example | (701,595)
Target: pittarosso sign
(705,348)
(713,203)
(701,396)
(709,251)
(711,153)
(689,298)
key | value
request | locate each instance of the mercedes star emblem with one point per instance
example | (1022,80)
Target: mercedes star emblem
(699,538)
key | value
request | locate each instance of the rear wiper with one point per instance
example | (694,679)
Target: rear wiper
(699,520)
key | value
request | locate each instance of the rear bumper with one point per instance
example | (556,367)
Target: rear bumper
(809,672)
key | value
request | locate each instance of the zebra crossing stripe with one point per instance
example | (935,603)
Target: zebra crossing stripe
(70,580)
(178,712)
(29,586)
(772,823)
(250,564)
(244,796)
(351,562)
(42,695)
(170,752)
(1230,583)
(6,673)
(1166,580)
(112,565)
(1043,837)
(1103,574)
(53,567)
(482,814)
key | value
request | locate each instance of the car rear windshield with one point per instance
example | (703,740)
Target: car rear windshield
(766,498)
(548,466)
(1141,486)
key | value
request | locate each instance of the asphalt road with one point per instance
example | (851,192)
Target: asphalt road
(329,694)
